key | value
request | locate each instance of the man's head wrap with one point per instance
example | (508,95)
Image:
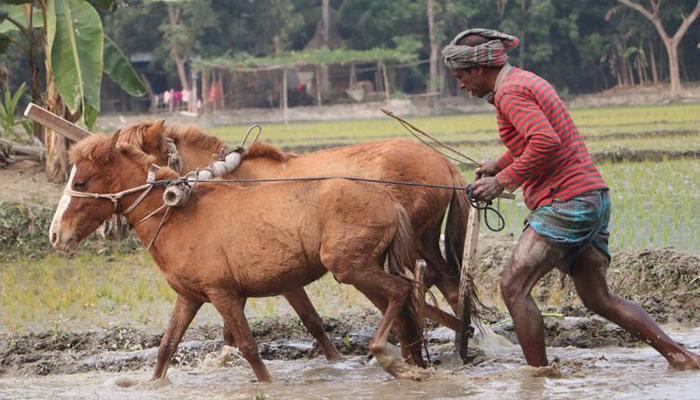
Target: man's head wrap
(489,54)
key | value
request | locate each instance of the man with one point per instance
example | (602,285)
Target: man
(568,225)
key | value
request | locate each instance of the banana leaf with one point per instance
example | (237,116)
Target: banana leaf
(119,69)
(77,47)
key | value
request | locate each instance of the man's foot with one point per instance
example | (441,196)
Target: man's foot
(685,360)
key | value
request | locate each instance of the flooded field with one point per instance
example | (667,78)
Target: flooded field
(600,373)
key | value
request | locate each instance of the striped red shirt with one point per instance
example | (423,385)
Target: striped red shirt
(546,155)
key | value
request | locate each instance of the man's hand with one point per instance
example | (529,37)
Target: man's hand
(486,189)
(488,168)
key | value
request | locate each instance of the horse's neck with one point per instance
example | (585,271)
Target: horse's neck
(258,168)
(195,158)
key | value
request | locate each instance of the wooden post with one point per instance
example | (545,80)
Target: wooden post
(205,90)
(222,95)
(192,103)
(387,89)
(353,77)
(319,88)
(285,105)
(464,306)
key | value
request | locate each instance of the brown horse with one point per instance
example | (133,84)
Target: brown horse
(229,243)
(148,137)
(396,160)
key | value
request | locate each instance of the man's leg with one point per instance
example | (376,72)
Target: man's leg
(588,272)
(532,258)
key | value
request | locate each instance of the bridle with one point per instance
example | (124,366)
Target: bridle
(115,197)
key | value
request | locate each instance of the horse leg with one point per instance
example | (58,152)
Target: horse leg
(391,294)
(406,329)
(438,273)
(300,302)
(231,309)
(229,339)
(184,312)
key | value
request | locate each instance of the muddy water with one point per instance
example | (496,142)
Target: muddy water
(602,373)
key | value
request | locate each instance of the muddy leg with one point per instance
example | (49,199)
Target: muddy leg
(406,328)
(532,258)
(300,302)
(390,293)
(588,272)
(231,309)
(184,312)
(229,339)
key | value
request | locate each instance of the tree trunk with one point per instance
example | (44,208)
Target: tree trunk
(523,10)
(56,144)
(652,58)
(432,83)
(326,16)
(151,95)
(671,43)
(672,50)
(180,60)
(34,71)
(182,72)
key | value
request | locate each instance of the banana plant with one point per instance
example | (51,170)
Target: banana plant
(8,107)
(77,54)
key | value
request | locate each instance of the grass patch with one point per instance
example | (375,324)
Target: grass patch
(95,289)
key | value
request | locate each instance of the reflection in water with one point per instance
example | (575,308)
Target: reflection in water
(605,373)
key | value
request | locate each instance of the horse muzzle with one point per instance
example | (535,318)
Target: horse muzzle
(62,242)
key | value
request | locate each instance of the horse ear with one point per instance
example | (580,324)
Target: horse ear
(153,137)
(104,150)
(115,139)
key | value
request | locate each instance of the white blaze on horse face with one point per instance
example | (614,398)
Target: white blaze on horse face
(55,230)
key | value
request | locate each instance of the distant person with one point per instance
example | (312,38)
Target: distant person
(568,225)
(166,98)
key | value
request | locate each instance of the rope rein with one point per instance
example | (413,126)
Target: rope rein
(179,190)
(412,129)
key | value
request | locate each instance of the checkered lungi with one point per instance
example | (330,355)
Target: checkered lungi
(574,223)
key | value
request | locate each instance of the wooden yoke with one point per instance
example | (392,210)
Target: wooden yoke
(57,124)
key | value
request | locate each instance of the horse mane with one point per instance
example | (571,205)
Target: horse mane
(192,135)
(98,148)
(88,148)
(264,150)
(135,135)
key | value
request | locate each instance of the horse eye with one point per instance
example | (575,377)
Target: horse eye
(80,185)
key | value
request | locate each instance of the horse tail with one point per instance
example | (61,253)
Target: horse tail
(401,257)
(456,226)
(455,236)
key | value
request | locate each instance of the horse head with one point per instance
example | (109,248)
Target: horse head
(101,169)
